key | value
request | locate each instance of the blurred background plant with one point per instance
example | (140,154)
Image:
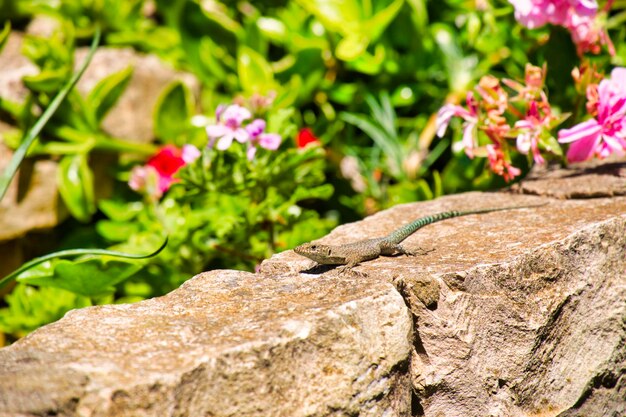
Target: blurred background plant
(351,91)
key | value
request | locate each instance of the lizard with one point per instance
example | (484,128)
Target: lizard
(351,254)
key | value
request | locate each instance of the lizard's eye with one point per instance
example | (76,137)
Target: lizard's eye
(313,246)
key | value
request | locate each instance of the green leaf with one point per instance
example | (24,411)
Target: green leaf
(377,24)
(459,68)
(4,35)
(173,112)
(72,252)
(108,90)
(89,277)
(120,210)
(47,81)
(550,144)
(75,181)
(273,29)
(322,192)
(351,47)
(255,73)
(117,231)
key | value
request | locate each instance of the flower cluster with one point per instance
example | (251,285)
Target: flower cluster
(156,177)
(605,133)
(580,17)
(230,126)
(491,112)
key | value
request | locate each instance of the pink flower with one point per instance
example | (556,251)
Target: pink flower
(531,127)
(445,114)
(589,34)
(536,13)
(145,179)
(580,17)
(256,131)
(229,126)
(157,175)
(606,133)
(499,165)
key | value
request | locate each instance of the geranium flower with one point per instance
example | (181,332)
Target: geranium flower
(256,131)
(537,120)
(157,175)
(445,114)
(499,165)
(305,136)
(606,133)
(229,126)
(580,17)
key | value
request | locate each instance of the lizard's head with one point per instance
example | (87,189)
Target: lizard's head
(323,254)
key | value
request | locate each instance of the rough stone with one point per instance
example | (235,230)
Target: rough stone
(513,314)
(226,343)
(132,117)
(590,179)
(531,311)
(32,201)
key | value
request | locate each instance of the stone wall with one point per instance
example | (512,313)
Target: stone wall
(516,313)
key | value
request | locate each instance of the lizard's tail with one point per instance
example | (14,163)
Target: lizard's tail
(406,231)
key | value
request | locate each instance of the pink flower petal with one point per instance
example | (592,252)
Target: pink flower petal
(215,131)
(615,143)
(270,141)
(443,119)
(190,154)
(590,128)
(523,142)
(251,152)
(583,149)
(225,142)
(241,135)
(468,139)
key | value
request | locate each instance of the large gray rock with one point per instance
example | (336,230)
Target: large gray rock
(517,313)
(226,343)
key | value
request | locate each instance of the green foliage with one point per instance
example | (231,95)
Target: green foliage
(226,212)
(29,308)
(90,277)
(393,174)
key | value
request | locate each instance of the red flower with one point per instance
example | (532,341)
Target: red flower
(157,175)
(167,161)
(306,136)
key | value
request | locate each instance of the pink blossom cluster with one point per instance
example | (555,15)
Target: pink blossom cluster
(580,17)
(492,114)
(230,125)
(605,133)
(156,177)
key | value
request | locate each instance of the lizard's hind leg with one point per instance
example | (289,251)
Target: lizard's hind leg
(412,252)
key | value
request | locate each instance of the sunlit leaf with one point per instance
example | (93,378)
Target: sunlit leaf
(173,112)
(4,35)
(108,90)
(89,277)
(255,73)
(75,181)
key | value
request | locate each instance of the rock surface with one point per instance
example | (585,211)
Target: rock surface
(517,313)
(226,343)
